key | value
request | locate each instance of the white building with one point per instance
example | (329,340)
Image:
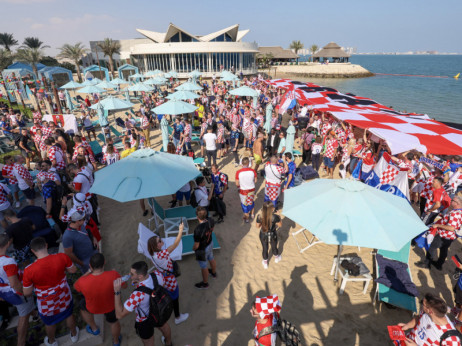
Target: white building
(176,49)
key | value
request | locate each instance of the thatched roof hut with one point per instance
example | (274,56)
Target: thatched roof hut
(332,50)
(278,53)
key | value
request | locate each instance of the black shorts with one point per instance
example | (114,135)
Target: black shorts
(110,316)
(145,329)
(29,193)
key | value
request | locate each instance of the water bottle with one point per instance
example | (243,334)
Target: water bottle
(125,278)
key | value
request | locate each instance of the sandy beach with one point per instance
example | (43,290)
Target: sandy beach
(316,70)
(309,296)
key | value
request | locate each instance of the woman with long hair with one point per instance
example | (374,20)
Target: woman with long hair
(164,264)
(268,222)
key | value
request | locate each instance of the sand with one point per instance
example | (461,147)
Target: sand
(309,296)
(316,70)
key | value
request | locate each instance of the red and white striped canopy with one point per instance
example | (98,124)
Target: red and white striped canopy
(402,131)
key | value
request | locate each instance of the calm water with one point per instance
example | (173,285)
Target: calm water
(440,98)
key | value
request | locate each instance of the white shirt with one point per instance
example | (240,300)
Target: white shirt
(22,184)
(316,124)
(202,196)
(6,191)
(303,111)
(87,121)
(186,187)
(210,141)
(246,177)
(85,179)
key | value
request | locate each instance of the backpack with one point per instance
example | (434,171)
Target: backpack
(285,330)
(450,333)
(193,201)
(160,303)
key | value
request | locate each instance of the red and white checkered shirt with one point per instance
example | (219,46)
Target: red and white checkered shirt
(42,176)
(55,153)
(454,219)
(4,192)
(187,133)
(221,135)
(332,145)
(22,172)
(164,265)
(144,122)
(47,132)
(428,333)
(33,129)
(140,301)
(40,142)
(204,126)
(431,200)
(325,128)
(8,170)
(37,116)
(428,185)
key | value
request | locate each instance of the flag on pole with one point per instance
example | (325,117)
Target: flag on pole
(288,101)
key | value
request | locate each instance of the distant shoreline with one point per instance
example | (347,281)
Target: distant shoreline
(315,70)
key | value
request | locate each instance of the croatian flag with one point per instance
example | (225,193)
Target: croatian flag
(388,177)
(288,101)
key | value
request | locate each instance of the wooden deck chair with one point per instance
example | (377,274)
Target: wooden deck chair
(389,295)
(188,242)
(170,218)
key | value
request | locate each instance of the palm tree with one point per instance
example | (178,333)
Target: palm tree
(31,56)
(74,53)
(33,42)
(296,46)
(110,47)
(7,41)
(6,58)
(313,49)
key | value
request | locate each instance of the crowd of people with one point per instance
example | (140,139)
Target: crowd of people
(254,135)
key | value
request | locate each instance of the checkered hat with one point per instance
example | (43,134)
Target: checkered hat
(267,305)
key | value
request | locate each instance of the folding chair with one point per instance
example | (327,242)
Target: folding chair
(388,294)
(310,243)
(170,218)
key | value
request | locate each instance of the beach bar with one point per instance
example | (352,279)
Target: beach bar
(331,51)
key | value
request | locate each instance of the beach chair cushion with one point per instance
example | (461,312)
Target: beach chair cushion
(96,148)
(389,295)
(188,242)
(395,274)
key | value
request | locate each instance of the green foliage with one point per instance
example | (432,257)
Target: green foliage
(7,41)
(34,43)
(6,58)
(49,61)
(296,46)
(69,66)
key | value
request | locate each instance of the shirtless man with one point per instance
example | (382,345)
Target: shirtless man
(258,150)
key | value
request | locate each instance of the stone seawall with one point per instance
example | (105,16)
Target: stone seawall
(314,70)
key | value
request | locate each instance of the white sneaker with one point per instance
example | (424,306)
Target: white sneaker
(17,205)
(265,264)
(278,259)
(75,338)
(48,344)
(182,318)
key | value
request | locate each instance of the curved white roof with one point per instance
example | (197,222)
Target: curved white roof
(159,37)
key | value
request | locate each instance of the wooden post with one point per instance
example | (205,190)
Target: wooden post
(55,93)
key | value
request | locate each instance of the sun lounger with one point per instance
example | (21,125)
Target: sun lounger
(188,242)
(195,139)
(170,218)
(296,153)
(114,131)
(198,161)
(96,147)
(145,234)
(388,294)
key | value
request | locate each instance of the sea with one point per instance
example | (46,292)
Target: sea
(426,86)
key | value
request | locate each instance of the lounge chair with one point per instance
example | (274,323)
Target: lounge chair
(170,218)
(115,132)
(96,148)
(188,242)
(389,295)
(198,161)
(296,153)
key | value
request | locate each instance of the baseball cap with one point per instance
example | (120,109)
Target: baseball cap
(77,216)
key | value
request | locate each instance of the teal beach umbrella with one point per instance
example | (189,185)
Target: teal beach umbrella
(183,95)
(91,89)
(174,107)
(71,85)
(140,87)
(106,85)
(145,173)
(188,86)
(244,91)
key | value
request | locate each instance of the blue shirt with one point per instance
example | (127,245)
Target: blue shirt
(47,190)
(219,181)
(178,129)
(291,170)
(81,245)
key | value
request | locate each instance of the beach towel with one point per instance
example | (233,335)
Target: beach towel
(395,274)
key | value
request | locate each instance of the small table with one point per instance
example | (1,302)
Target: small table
(346,277)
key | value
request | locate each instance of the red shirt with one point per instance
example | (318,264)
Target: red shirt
(98,291)
(267,340)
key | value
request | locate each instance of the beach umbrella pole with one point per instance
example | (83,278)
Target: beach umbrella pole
(338,263)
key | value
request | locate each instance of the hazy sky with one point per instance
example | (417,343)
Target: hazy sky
(369,25)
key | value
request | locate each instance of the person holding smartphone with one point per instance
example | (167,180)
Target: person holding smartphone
(164,265)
